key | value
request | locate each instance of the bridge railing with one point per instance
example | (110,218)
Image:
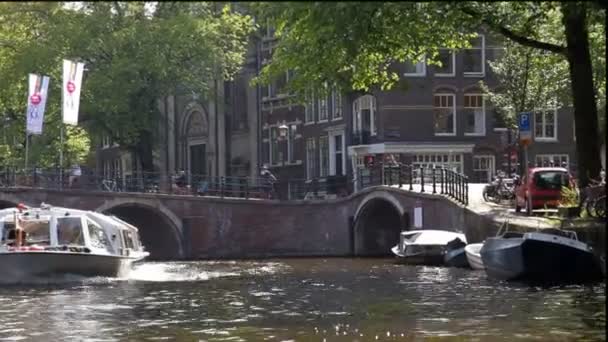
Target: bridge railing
(435,180)
(143,182)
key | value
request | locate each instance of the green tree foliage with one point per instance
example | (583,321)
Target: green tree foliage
(134,53)
(354,44)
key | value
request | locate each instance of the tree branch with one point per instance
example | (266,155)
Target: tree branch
(510,34)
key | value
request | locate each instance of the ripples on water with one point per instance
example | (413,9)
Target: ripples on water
(298,300)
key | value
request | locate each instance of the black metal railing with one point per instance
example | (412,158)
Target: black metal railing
(434,180)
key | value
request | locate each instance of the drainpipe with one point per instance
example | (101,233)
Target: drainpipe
(258,109)
(217,139)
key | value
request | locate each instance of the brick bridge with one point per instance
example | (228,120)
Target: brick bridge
(188,227)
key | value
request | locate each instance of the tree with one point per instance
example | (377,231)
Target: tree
(354,44)
(135,53)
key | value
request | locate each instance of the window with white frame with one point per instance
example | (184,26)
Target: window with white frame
(545,124)
(336,151)
(450,161)
(556,160)
(310,158)
(474,114)
(483,168)
(322,109)
(364,114)
(105,141)
(309,109)
(473,59)
(415,68)
(447,57)
(291,134)
(336,99)
(323,156)
(444,110)
(273,144)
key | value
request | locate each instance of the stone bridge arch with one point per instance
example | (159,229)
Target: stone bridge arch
(161,231)
(379,219)
(8,200)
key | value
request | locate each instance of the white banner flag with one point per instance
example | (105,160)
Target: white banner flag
(36,102)
(72,79)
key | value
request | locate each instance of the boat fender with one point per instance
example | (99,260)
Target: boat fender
(64,248)
(87,250)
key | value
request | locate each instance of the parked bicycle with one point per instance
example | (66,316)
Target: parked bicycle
(594,201)
(109,185)
(499,189)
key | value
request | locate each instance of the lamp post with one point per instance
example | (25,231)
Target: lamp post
(283,131)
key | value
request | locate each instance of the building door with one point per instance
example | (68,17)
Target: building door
(198,160)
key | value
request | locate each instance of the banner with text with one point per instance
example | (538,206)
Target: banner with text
(36,103)
(72,79)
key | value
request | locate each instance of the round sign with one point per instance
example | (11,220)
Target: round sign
(71,87)
(35,99)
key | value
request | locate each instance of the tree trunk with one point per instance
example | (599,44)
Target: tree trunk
(583,92)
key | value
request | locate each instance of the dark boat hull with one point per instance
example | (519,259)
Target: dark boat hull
(456,258)
(536,260)
(20,266)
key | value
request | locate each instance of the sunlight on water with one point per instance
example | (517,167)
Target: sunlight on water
(175,272)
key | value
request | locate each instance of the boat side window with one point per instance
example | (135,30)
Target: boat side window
(129,241)
(99,238)
(411,237)
(8,232)
(36,232)
(69,231)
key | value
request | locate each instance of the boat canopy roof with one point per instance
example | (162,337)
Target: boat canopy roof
(431,236)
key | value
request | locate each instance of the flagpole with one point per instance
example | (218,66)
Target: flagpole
(61,157)
(27,145)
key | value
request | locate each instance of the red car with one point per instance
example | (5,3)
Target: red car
(541,188)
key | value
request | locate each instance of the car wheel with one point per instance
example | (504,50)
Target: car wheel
(528,206)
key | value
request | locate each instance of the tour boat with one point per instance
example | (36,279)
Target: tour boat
(546,255)
(425,247)
(472,252)
(49,241)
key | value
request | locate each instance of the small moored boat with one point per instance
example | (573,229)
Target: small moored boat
(49,241)
(472,252)
(455,255)
(425,247)
(547,255)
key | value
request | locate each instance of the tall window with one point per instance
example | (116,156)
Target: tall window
(322,108)
(323,156)
(291,134)
(447,58)
(445,114)
(336,99)
(309,109)
(336,166)
(474,58)
(310,158)
(474,114)
(274,145)
(556,160)
(545,124)
(364,112)
(417,68)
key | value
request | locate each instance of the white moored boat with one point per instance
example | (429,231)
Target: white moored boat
(48,241)
(472,251)
(425,247)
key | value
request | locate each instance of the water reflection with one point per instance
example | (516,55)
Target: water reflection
(299,299)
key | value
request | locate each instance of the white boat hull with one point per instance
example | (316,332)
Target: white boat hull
(19,266)
(473,256)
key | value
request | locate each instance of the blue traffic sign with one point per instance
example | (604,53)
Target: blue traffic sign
(524,122)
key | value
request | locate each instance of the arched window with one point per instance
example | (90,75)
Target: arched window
(364,114)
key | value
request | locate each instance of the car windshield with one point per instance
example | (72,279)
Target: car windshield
(550,180)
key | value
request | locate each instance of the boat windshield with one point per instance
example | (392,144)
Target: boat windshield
(99,238)
(550,180)
(36,232)
(69,231)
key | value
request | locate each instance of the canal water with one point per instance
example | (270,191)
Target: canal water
(299,300)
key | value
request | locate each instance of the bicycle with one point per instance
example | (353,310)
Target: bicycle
(594,201)
(109,185)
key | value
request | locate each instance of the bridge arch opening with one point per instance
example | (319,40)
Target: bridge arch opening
(7,204)
(160,236)
(377,227)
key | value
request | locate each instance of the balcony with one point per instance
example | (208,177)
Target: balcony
(361,137)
